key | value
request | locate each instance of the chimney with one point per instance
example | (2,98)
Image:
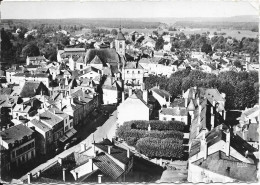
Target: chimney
(212,121)
(109,149)
(123,96)
(39,174)
(149,127)
(227,147)
(204,148)
(214,103)
(192,115)
(128,153)
(76,176)
(145,96)
(29,175)
(130,92)
(186,102)
(82,147)
(212,110)
(60,161)
(198,101)
(161,162)
(224,114)
(64,174)
(100,179)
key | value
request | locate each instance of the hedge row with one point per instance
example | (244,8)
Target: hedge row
(155,147)
(126,134)
(156,125)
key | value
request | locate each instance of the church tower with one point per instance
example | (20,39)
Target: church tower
(120,43)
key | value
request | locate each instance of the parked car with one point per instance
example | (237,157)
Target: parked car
(58,150)
(67,146)
(75,140)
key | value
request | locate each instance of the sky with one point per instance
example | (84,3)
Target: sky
(125,9)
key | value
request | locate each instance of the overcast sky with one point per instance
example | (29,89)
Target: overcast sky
(125,9)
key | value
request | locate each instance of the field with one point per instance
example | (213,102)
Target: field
(229,32)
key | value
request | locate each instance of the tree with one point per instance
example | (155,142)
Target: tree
(5,41)
(206,48)
(114,32)
(30,50)
(159,43)
(155,33)
(237,63)
(244,96)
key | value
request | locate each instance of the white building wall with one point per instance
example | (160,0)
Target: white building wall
(134,111)
(197,174)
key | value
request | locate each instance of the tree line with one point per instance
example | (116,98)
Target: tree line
(241,88)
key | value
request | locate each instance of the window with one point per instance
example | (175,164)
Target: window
(138,72)
(127,72)
(133,72)
(81,66)
(66,128)
(71,124)
(13,154)
(120,45)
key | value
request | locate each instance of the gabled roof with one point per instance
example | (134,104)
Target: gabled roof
(108,166)
(161,92)
(218,163)
(96,60)
(120,35)
(118,153)
(106,55)
(40,125)
(133,65)
(30,87)
(176,111)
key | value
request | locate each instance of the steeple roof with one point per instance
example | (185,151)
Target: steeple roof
(120,35)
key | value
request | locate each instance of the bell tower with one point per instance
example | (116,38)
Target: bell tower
(120,43)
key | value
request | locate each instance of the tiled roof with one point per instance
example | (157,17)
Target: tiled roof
(50,118)
(218,163)
(96,60)
(178,102)
(106,55)
(120,36)
(176,111)
(29,88)
(90,69)
(40,125)
(80,60)
(8,101)
(133,65)
(108,166)
(16,132)
(74,49)
(38,75)
(115,151)
(6,91)
(37,58)
(22,108)
(161,92)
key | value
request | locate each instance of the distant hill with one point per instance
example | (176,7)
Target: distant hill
(172,20)
(235,22)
